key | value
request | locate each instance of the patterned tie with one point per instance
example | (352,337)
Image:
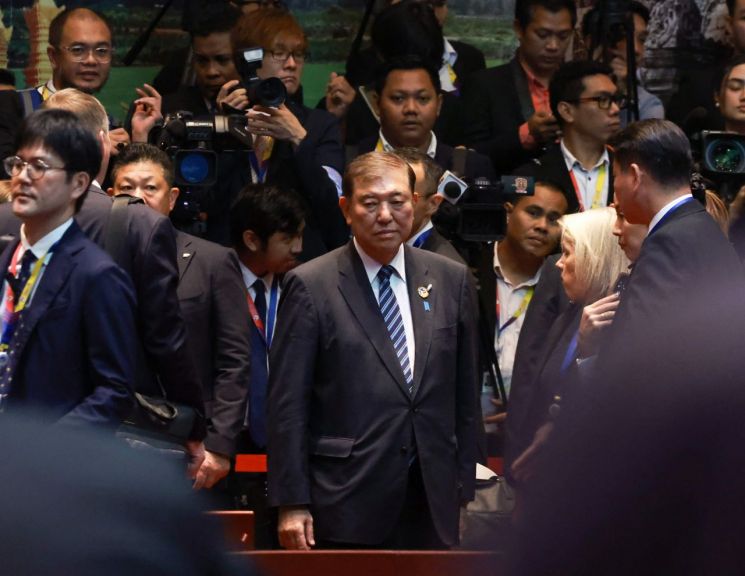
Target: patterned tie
(255,415)
(17,283)
(394,322)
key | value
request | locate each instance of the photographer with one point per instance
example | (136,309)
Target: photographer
(294,147)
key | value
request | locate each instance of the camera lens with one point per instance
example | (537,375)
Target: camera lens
(726,156)
(194,168)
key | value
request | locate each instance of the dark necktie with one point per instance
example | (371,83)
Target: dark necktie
(18,282)
(394,322)
(256,415)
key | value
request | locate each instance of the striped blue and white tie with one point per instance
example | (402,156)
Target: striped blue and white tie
(394,322)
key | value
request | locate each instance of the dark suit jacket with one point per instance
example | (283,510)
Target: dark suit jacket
(438,244)
(11,115)
(477,165)
(495,103)
(628,485)
(212,298)
(151,264)
(299,169)
(552,167)
(72,355)
(342,422)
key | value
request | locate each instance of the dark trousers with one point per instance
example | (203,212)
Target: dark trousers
(414,529)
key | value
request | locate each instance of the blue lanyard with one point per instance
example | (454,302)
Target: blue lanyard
(255,165)
(571,353)
(673,209)
(422,238)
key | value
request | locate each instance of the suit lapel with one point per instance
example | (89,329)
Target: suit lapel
(417,275)
(356,290)
(185,253)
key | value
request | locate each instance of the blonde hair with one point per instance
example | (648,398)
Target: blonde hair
(90,112)
(598,258)
(718,210)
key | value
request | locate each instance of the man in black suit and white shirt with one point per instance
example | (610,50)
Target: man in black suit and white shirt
(643,472)
(213,302)
(372,392)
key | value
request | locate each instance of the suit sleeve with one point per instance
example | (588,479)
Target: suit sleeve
(162,325)
(291,371)
(110,337)
(466,400)
(322,148)
(232,349)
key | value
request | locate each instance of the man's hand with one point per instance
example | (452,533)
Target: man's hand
(195,449)
(147,112)
(595,318)
(213,469)
(295,528)
(119,138)
(498,418)
(279,123)
(543,127)
(524,467)
(339,95)
(231,96)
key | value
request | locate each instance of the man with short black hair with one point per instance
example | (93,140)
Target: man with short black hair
(409,100)
(586,103)
(68,340)
(506,109)
(618,465)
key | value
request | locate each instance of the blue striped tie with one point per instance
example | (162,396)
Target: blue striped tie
(394,322)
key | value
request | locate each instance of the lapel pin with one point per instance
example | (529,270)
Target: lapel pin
(186,254)
(424,291)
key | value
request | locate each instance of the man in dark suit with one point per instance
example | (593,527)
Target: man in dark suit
(147,255)
(68,339)
(506,110)
(372,393)
(213,302)
(628,485)
(409,102)
(585,102)
(79,51)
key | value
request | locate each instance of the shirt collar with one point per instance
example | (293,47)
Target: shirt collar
(532,80)
(249,277)
(665,209)
(498,271)
(431,149)
(449,55)
(571,160)
(422,230)
(43,245)
(372,267)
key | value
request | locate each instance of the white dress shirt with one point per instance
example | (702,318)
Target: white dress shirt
(249,278)
(587,180)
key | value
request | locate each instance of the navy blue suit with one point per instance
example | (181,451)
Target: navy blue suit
(73,353)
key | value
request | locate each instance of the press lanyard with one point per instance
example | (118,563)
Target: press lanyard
(599,185)
(675,206)
(271,314)
(520,309)
(13,308)
(422,238)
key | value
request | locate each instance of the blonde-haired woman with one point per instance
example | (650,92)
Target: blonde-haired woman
(591,263)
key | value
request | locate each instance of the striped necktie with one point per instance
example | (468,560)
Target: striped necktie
(394,322)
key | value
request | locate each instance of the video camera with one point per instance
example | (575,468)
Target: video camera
(194,142)
(475,212)
(723,160)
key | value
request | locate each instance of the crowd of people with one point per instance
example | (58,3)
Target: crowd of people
(318,302)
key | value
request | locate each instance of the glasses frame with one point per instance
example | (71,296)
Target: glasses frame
(618,99)
(36,169)
(89,50)
(301,59)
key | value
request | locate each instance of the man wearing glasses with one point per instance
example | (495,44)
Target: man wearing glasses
(586,104)
(80,51)
(68,343)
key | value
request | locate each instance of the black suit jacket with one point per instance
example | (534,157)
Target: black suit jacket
(11,115)
(477,165)
(72,356)
(151,264)
(438,244)
(552,167)
(495,103)
(212,298)
(341,419)
(627,485)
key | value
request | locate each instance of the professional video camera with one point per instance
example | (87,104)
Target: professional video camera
(194,143)
(723,161)
(475,212)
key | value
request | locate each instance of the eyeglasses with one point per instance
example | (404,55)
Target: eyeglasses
(263,3)
(80,52)
(603,101)
(35,168)
(283,55)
